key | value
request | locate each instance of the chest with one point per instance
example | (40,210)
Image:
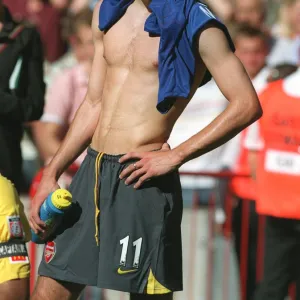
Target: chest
(126,44)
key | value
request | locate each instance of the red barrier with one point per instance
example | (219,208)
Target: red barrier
(32,254)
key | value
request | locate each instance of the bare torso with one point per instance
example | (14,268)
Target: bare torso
(129,120)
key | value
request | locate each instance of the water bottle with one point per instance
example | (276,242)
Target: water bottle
(51,213)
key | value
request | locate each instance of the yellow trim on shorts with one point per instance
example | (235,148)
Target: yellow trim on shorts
(154,287)
(96,193)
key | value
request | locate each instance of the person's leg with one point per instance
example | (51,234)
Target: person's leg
(140,238)
(236,226)
(70,259)
(278,251)
(151,297)
(17,289)
(50,289)
(252,250)
(295,259)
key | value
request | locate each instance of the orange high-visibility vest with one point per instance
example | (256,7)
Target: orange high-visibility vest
(278,170)
(243,187)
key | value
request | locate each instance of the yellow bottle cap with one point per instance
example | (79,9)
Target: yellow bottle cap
(61,199)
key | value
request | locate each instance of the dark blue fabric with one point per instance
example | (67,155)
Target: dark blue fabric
(111,11)
(177,22)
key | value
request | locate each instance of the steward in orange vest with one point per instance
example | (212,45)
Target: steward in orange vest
(278,167)
(275,140)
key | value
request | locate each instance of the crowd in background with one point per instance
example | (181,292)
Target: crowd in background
(267,39)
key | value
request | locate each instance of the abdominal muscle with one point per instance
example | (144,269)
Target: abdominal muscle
(129,120)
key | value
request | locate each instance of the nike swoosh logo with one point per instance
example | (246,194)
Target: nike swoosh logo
(122,272)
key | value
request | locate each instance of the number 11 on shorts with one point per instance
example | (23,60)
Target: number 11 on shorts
(138,247)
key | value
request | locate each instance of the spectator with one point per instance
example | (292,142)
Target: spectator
(21,91)
(66,92)
(61,5)
(76,53)
(283,48)
(73,6)
(48,21)
(14,233)
(222,8)
(286,48)
(274,146)
(21,100)
(250,12)
(281,71)
(252,49)
(78,5)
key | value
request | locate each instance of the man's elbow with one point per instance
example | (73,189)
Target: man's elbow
(253,112)
(256,112)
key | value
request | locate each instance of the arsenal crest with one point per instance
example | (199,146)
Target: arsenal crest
(50,250)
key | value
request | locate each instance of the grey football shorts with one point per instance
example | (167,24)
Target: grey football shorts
(116,237)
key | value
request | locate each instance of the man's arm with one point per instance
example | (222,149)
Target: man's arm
(243,109)
(26,103)
(80,132)
(83,127)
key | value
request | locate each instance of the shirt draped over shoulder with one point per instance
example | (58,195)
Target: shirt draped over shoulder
(177,23)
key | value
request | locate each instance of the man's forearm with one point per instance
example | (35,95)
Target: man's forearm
(222,129)
(77,138)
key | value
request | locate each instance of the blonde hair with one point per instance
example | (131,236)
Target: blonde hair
(285,28)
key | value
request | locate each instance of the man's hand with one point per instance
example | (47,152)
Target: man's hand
(48,185)
(149,165)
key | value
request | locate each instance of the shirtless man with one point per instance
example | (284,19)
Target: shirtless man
(128,234)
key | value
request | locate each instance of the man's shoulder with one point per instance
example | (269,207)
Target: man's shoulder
(200,14)
(200,19)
